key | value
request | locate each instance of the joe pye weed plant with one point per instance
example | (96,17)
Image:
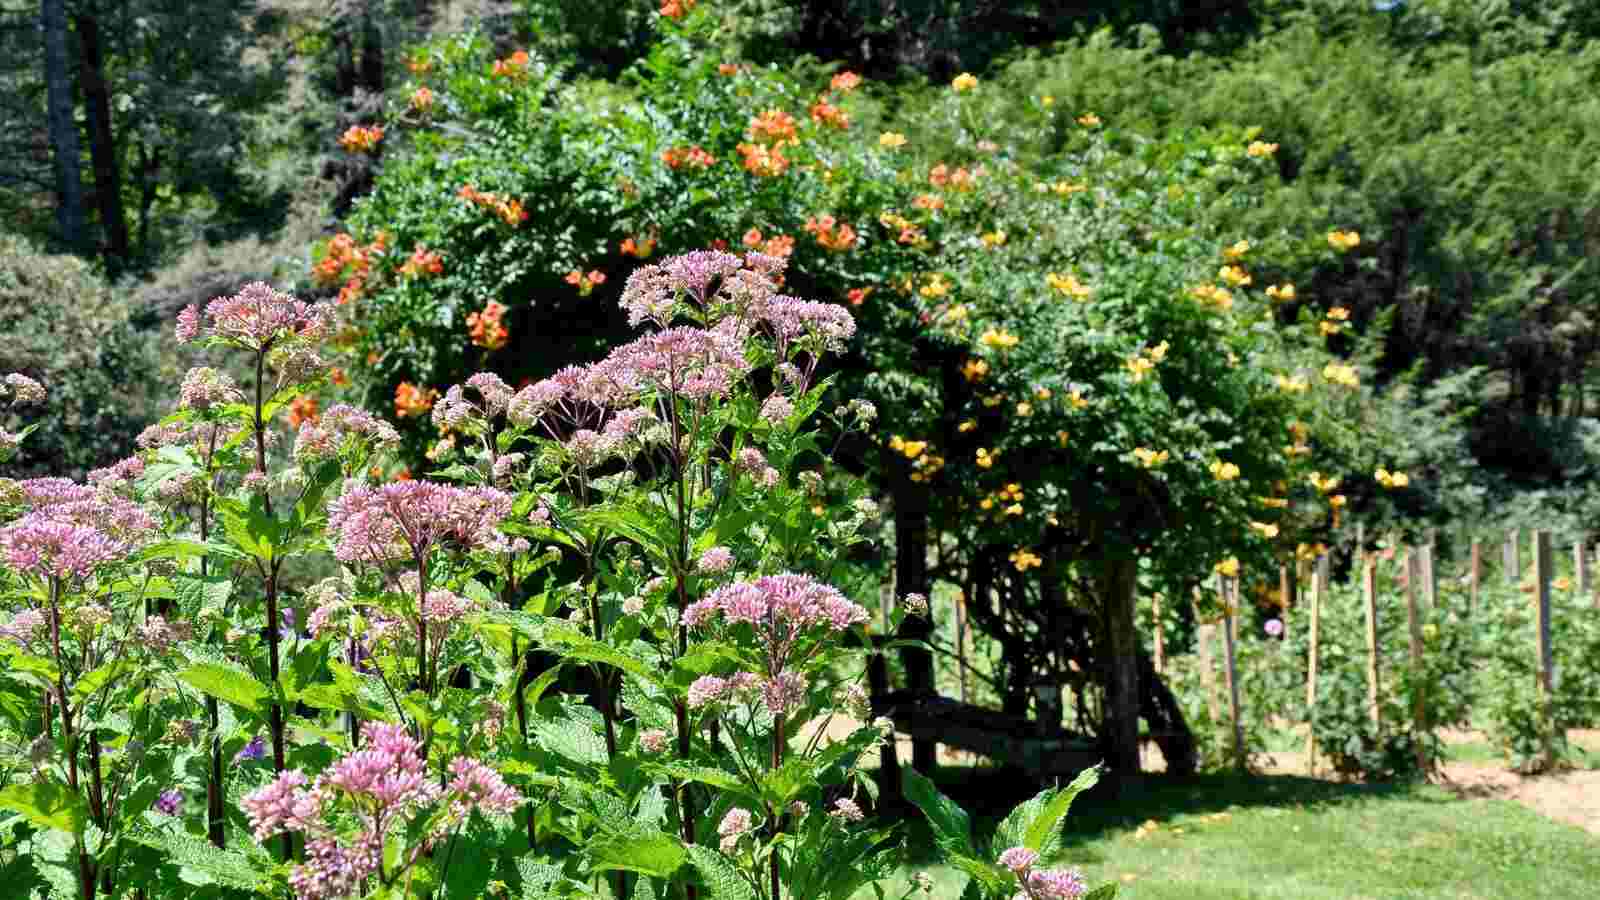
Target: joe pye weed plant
(664,526)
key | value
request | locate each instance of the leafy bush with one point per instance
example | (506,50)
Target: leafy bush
(61,325)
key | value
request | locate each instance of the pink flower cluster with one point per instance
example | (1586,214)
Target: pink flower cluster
(456,412)
(1041,884)
(72,529)
(204,387)
(23,389)
(734,825)
(383,785)
(407,519)
(343,429)
(779,607)
(256,318)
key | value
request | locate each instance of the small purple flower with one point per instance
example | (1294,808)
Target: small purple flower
(170,801)
(1274,628)
(255,750)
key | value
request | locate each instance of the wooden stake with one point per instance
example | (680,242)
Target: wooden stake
(1580,570)
(1477,576)
(1161,644)
(1369,595)
(1204,636)
(1311,663)
(1430,577)
(1513,556)
(1542,566)
(961,642)
(1419,709)
(1287,585)
(1230,668)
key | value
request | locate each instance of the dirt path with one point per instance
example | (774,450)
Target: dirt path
(1572,796)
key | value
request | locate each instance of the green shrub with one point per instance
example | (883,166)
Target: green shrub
(61,325)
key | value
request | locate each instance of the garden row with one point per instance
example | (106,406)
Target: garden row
(1390,658)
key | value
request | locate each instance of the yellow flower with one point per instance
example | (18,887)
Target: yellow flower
(1281,292)
(1228,567)
(1159,351)
(891,140)
(1274,502)
(1062,437)
(1014,509)
(1047,100)
(1323,483)
(1024,409)
(1077,400)
(1224,471)
(975,369)
(1261,148)
(986,459)
(1210,293)
(1139,367)
(993,400)
(1339,314)
(1024,560)
(966,426)
(1336,501)
(1328,328)
(1089,120)
(1150,459)
(994,239)
(964,82)
(1042,393)
(1234,275)
(1236,251)
(1561,583)
(897,443)
(986,503)
(999,340)
(1392,479)
(1292,385)
(1294,450)
(1068,286)
(1068,188)
(1266,529)
(936,287)
(1341,374)
(1344,240)
(913,449)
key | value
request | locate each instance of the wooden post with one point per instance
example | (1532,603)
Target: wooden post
(1287,588)
(1580,570)
(962,640)
(1311,663)
(1541,563)
(1430,577)
(1161,644)
(1229,637)
(1204,635)
(1369,596)
(1476,576)
(1419,709)
(1513,557)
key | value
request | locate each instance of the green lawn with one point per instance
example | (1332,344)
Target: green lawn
(1286,837)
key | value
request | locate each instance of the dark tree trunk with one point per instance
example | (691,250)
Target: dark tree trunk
(1118,580)
(63,127)
(911,576)
(102,143)
(371,52)
(149,168)
(344,59)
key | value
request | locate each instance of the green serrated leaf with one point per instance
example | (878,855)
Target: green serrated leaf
(47,805)
(718,875)
(653,853)
(229,683)
(952,828)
